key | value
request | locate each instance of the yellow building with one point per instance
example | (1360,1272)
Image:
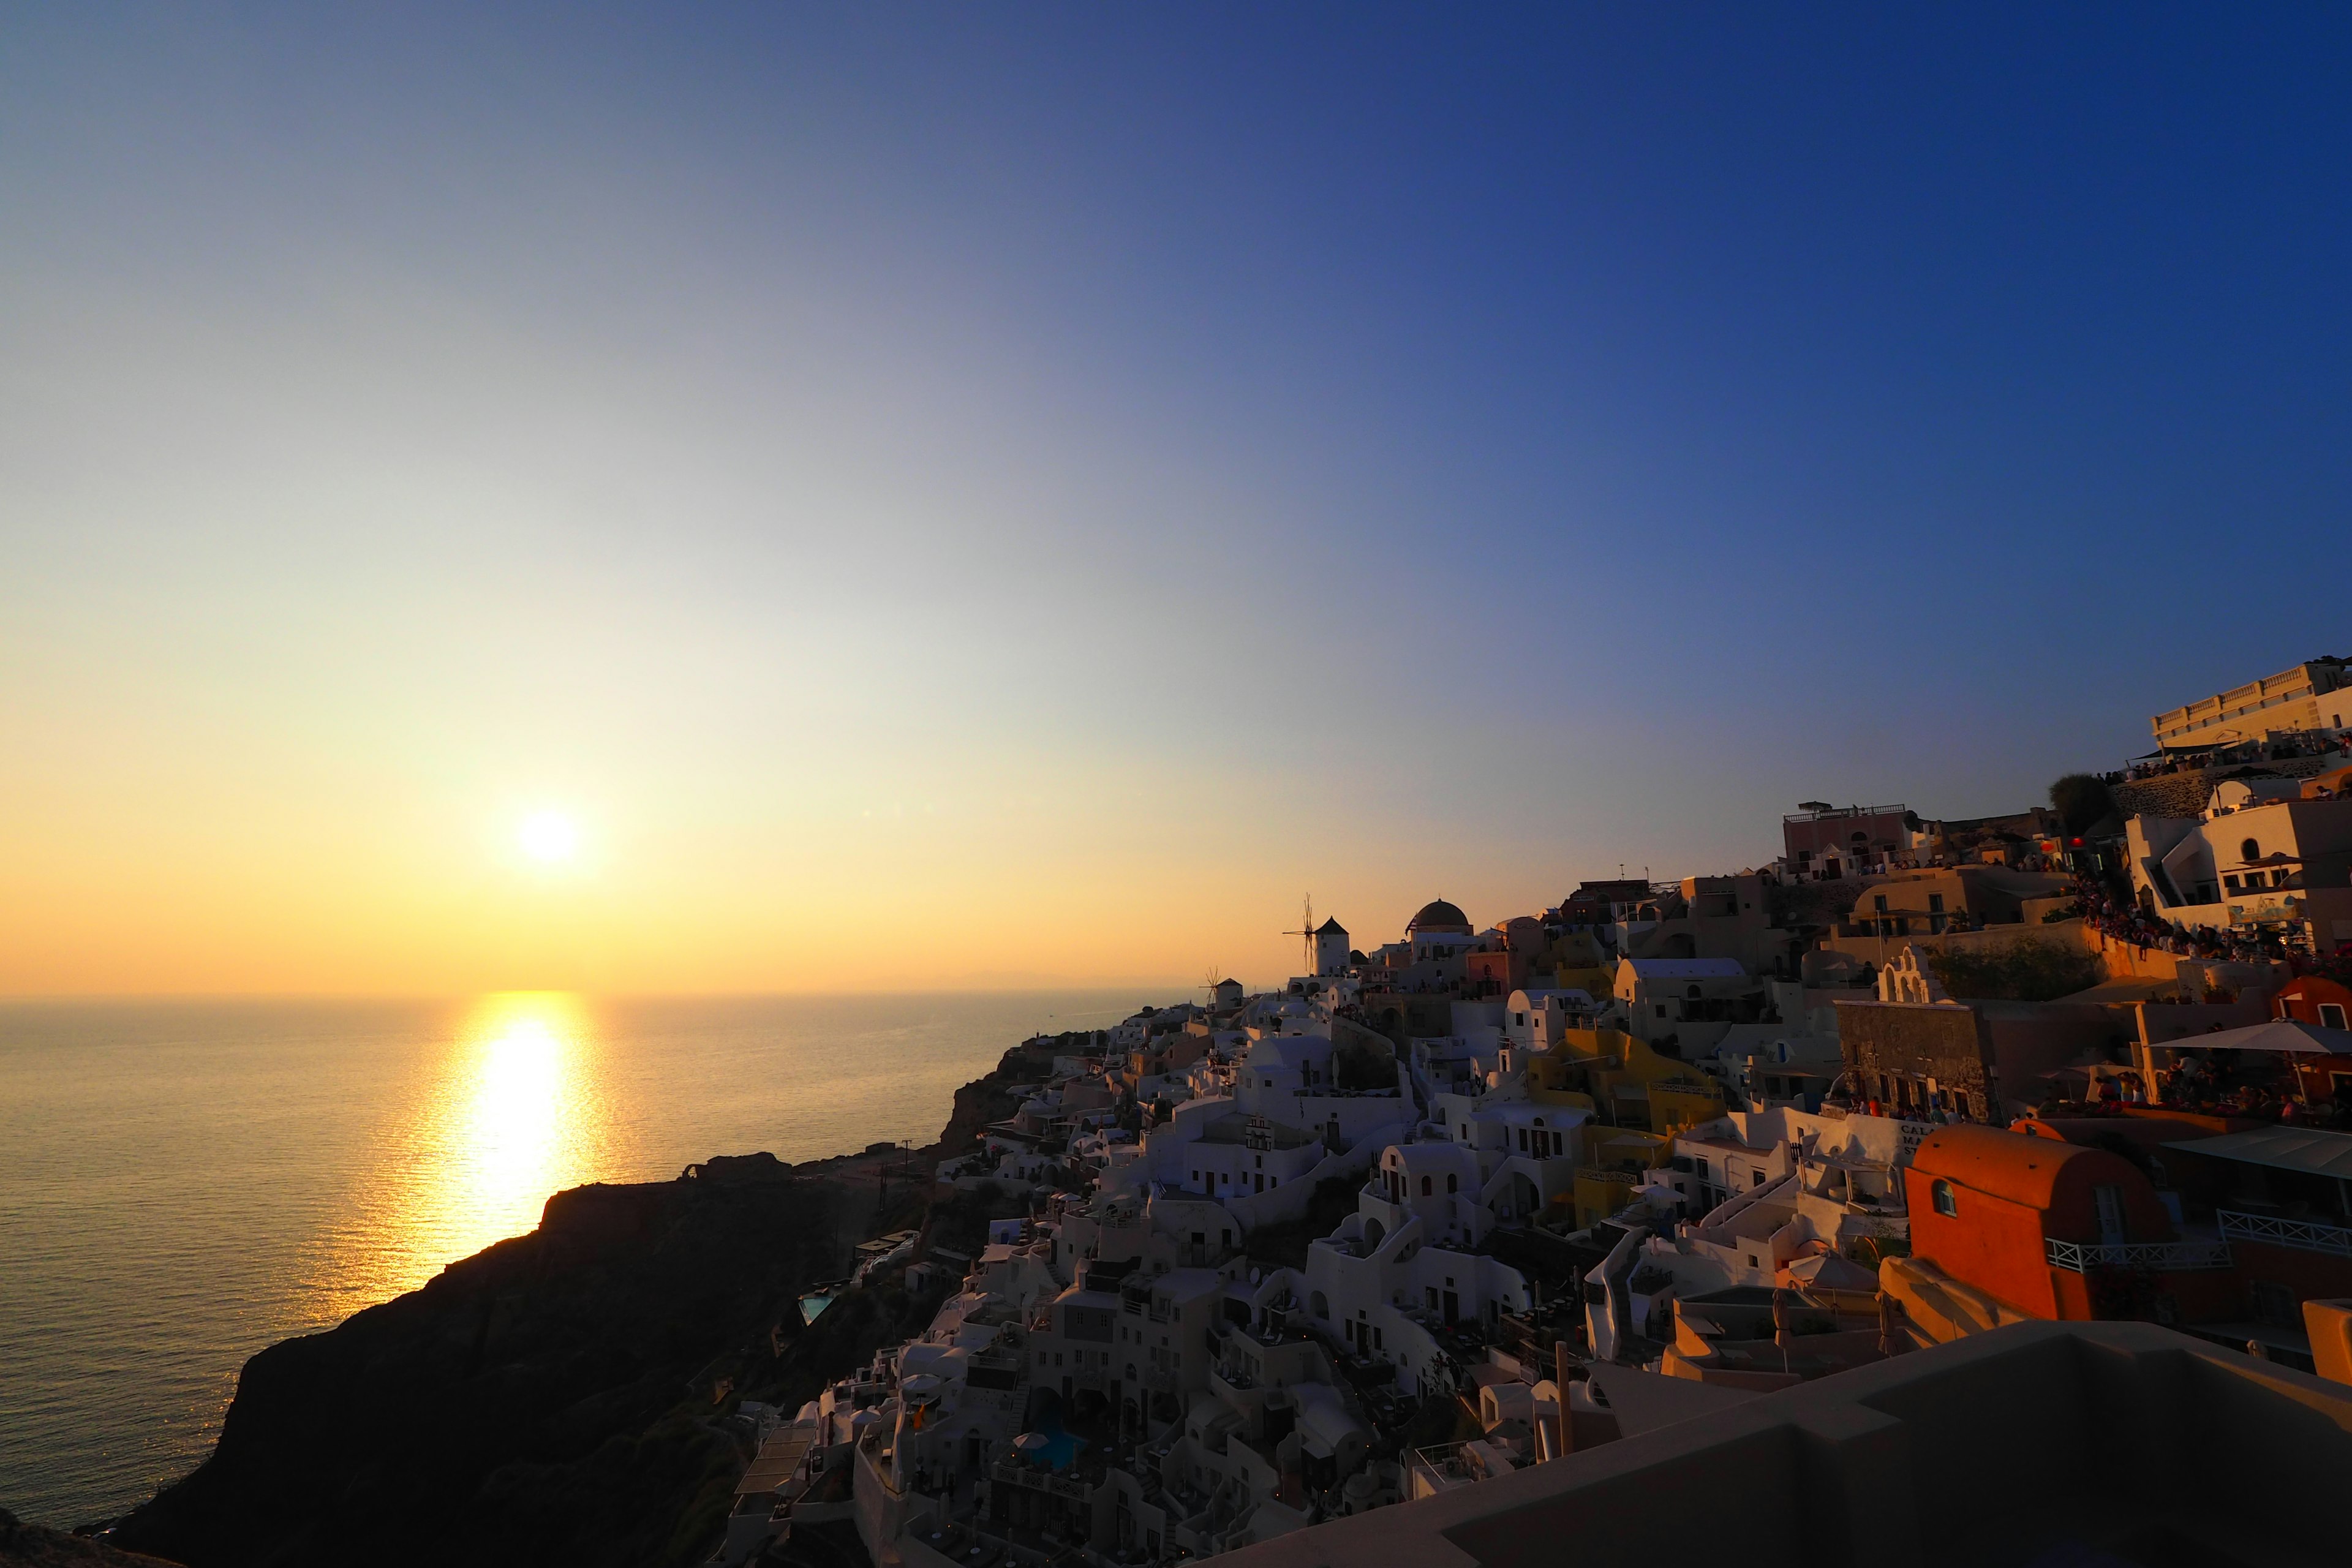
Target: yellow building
(1614,1161)
(1622,1082)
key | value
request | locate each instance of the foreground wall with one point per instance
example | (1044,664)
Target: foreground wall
(1991,1450)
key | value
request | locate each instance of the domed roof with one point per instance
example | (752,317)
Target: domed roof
(2024,1169)
(1437,915)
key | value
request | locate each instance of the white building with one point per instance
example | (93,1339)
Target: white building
(1694,1000)
(2259,857)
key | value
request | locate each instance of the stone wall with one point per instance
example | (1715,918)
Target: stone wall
(1894,1048)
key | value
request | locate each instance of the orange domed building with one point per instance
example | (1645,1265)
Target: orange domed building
(2058,1230)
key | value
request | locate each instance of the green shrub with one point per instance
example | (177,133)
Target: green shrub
(2029,971)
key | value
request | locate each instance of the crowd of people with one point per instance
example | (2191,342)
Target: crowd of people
(2274,749)
(2117,917)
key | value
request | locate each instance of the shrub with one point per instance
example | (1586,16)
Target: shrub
(2029,971)
(1359,1064)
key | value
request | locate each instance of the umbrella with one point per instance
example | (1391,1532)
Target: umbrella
(2277,1035)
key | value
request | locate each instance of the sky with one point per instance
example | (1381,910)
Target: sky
(944,496)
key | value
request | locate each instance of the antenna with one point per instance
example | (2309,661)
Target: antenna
(1306,935)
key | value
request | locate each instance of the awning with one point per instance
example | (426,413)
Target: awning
(2282,1148)
(780,1455)
(2275,1034)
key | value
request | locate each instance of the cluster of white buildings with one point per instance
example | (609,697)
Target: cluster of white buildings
(1472,1200)
(1115,1376)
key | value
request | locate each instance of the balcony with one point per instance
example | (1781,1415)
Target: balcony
(2081,1257)
(1014,1472)
(1438,1470)
(2306,1235)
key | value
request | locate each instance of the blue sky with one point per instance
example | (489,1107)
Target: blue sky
(1078,471)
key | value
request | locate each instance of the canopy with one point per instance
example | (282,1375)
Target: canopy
(2284,1148)
(780,1455)
(2277,1035)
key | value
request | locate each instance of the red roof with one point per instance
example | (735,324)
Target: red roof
(2012,1165)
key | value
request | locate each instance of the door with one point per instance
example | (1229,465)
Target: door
(2111,1214)
(1453,1308)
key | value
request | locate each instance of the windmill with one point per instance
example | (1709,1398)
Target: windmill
(1306,935)
(1211,978)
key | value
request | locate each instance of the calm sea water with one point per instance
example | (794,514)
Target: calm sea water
(183,1184)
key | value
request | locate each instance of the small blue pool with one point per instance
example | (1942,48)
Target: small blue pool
(1061,1448)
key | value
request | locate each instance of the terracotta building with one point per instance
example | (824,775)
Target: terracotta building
(2060,1230)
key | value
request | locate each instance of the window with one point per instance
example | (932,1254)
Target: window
(2250,851)
(2110,1203)
(1878,902)
(1935,904)
(2275,1304)
(1425,1186)
(1948,1198)
(1452,1184)
(2331,1014)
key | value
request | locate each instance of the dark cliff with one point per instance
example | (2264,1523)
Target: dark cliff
(531,1404)
(26,1545)
(556,1397)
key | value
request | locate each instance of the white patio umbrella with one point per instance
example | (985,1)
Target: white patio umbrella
(2272,1034)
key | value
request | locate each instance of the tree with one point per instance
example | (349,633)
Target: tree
(2081,800)
(1358,1063)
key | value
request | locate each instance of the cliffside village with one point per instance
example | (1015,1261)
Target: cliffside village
(1444,1211)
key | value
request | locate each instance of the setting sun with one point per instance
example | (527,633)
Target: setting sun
(549,836)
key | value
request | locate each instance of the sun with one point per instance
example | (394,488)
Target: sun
(548,837)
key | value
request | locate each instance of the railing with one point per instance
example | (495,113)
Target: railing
(1019,1473)
(2302,1234)
(2080,1256)
(1445,1465)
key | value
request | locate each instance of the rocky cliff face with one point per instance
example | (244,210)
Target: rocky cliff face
(26,1545)
(546,1400)
(555,1398)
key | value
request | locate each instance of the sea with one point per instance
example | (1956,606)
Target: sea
(183,1184)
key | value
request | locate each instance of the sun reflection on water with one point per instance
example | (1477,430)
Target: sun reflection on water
(512,1117)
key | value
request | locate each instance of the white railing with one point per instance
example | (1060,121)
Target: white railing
(2081,1256)
(2302,1234)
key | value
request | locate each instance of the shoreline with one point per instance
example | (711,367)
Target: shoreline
(798,1221)
(317,1161)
